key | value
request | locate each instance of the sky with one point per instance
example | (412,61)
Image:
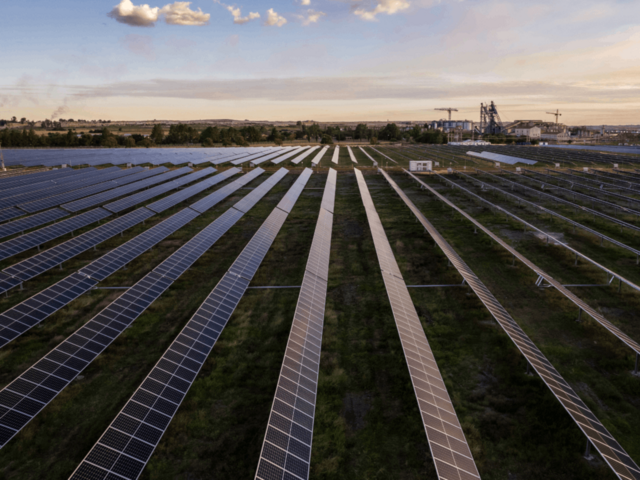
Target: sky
(323,60)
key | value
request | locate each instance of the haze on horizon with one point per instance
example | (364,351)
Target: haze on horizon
(340,60)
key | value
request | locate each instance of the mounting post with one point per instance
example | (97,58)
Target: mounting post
(619,285)
(579,315)
(587,452)
(635,371)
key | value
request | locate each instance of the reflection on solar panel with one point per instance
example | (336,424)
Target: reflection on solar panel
(613,453)
(31,267)
(270,156)
(38,237)
(133,200)
(258,154)
(295,152)
(316,160)
(449,449)
(375,164)
(32,221)
(124,190)
(287,443)
(125,448)
(27,395)
(351,155)
(297,160)
(41,306)
(496,157)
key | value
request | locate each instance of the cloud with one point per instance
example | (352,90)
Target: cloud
(311,17)
(383,6)
(305,2)
(238,18)
(137,16)
(177,13)
(274,19)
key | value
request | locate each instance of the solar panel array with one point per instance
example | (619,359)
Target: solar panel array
(103,197)
(38,237)
(266,151)
(39,307)
(273,155)
(287,443)
(550,280)
(299,159)
(316,160)
(351,155)
(132,200)
(127,445)
(9,213)
(449,448)
(27,395)
(21,193)
(214,198)
(613,453)
(32,221)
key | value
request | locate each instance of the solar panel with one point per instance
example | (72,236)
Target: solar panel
(32,221)
(126,446)
(287,444)
(295,151)
(385,156)
(375,164)
(31,267)
(17,320)
(38,237)
(41,383)
(613,453)
(31,178)
(449,448)
(318,157)
(124,190)
(178,197)
(249,201)
(275,155)
(351,155)
(9,213)
(336,154)
(259,153)
(299,159)
(216,197)
(289,200)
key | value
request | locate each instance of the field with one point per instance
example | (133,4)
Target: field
(367,422)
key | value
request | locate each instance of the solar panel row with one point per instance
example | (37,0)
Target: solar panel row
(32,221)
(23,398)
(299,159)
(42,305)
(375,164)
(38,237)
(12,196)
(336,155)
(271,156)
(267,153)
(31,178)
(385,156)
(31,267)
(295,152)
(214,198)
(103,197)
(449,448)
(9,213)
(286,449)
(316,160)
(131,200)
(125,448)
(613,453)
(351,155)
(174,199)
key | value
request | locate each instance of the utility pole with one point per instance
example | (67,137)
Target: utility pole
(4,169)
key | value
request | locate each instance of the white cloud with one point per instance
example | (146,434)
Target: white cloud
(177,13)
(305,2)
(383,6)
(274,19)
(311,17)
(237,15)
(137,16)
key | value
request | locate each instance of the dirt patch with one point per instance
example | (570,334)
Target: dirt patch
(515,235)
(554,237)
(355,408)
(351,229)
(347,293)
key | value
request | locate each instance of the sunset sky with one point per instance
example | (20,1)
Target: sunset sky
(321,59)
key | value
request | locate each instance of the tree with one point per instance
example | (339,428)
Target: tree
(207,142)
(361,132)
(275,136)
(157,134)
(23,120)
(130,142)
(327,140)
(13,119)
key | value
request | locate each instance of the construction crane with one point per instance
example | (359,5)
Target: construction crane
(447,110)
(556,113)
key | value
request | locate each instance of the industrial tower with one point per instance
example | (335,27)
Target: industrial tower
(490,123)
